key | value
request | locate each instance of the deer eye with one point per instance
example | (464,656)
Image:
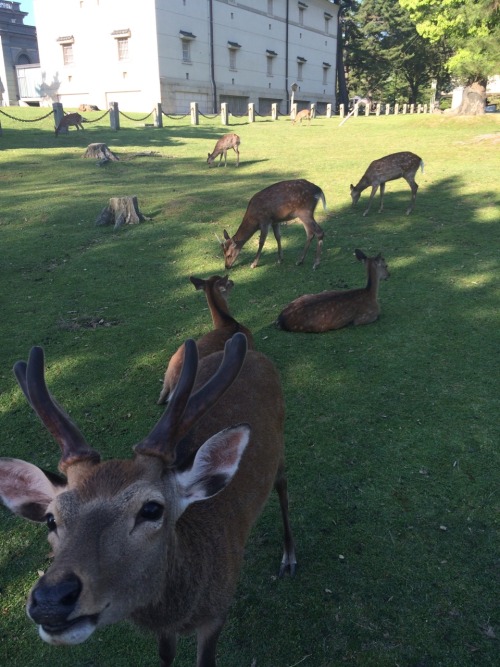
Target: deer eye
(51,522)
(151,511)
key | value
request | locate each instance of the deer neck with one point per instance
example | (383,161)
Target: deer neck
(218,309)
(373,280)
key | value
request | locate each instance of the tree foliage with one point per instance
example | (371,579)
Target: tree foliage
(471,28)
(386,56)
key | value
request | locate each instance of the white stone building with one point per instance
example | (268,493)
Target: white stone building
(18,51)
(139,53)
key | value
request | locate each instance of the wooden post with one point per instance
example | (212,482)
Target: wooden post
(274,111)
(328,110)
(224,113)
(158,115)
(195,115)
(251,112)
(114,116)
(58,114)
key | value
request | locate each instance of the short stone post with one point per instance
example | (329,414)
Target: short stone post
(195,114)
(387,109)
(114,116)
(396,109)
(158,115)
(377,109)
(412,108)
(224,114)
(356,110)
(274,111)
(58,115)
(313,110)
(328,110)
(293,111)
(405,109)
(251,112)
(367,109)
(342,110)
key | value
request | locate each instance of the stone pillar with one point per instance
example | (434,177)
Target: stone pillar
(328,110)
(195,117)
(341,110)
(114,116)
(274,111)
(224,115)
(396,109)
(58,114)
(313,110)
(158,115)
(377,110)
(251,112)
(293,111)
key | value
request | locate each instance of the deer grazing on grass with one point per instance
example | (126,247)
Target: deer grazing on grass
(389,168)
(278,203)
(75,119)
(315,313)
(221,148)
(305,114)
(216,290)
(158,539)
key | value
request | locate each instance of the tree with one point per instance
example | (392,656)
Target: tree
(471,28)
(391,60)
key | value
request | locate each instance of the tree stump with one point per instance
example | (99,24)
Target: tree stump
(120,211)
(473,100)
(100,152)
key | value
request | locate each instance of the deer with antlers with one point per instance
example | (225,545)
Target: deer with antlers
(275,204)
(315,313)
(389,168)
(177,515)
(217,290)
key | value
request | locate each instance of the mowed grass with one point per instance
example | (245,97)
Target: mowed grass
(392,428)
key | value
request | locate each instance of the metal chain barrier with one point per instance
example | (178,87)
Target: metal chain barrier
(216,115)
(136,120)
(96,120)
(178,116)
(26,120)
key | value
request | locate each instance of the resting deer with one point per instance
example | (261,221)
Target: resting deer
(221,148)
(305,114)
(389,168)
(216,290)
(268,208)
(158,539)
(315,313)
(75,119)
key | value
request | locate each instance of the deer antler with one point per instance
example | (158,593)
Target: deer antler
(30,377)
(184,410)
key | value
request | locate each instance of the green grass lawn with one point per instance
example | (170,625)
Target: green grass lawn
(392,431)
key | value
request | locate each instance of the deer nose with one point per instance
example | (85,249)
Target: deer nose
(51,604)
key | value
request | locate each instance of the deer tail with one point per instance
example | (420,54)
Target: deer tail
(422,166)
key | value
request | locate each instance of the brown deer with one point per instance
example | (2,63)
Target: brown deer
(221,148)
(216,290)
(315,313)
(389,168)
(75,119)
(305,114)
(278,203)
(158,539)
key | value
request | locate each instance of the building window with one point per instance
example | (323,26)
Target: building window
(327,23)
(186,51)
(271,55)
(233,50)
(300,68)
(186,39)
(122,48)
(67,50)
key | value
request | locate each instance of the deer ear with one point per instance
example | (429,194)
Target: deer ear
(215,465)
(26,490)
(197,282)
(360,255)
(226,235)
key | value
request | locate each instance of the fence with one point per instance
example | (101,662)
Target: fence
(157,114)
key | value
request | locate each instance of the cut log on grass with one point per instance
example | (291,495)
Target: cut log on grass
(100,152)
(120,211)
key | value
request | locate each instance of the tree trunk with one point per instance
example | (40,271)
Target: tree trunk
(100,152)
(120,211)
(473,100)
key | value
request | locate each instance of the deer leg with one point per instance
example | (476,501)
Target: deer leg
(289,560)
(414,187)
(167,648)
(382,192)
(312,229)
(374,191)
(277,236)
(237,156)
(262,240)
(207,637)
